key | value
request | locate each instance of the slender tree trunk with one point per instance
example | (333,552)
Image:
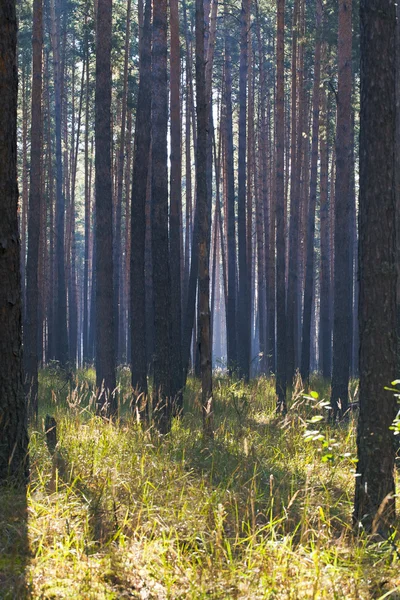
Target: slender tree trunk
(325,268)
(309,276)
(280,213)
(243,313)
(138,220)
(87,213)
(342,275)
(31,325)
(105,338)
(159,221)
(231,228)
(120,184)
(203,230)
(60,333)
(175,212)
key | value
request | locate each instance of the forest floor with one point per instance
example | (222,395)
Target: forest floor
(262,511)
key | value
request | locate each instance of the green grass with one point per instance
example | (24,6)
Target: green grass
(121,512)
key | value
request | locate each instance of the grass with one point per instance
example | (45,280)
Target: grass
(263,511)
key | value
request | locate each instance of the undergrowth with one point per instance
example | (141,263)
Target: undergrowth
(262,511)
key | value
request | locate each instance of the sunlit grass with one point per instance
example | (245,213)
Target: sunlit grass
(260,512)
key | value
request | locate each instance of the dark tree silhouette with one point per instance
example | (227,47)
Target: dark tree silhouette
(342,268)
(374,497)
(105,339)
(280,213)
(159,220)
(138,222)
(13,426)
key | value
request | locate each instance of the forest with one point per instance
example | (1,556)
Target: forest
(199,299)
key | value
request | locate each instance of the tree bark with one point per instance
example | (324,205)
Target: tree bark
(138,218)
(309,276)
(202,109)
(280,213)
(175,212)
(243,313)
(31,324)
(105,338)
(159,221)
(230,201)
(13,418)
(342,275)
(374,506)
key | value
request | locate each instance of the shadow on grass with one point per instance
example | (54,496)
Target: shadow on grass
(14,544)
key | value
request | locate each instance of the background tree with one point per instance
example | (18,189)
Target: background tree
(159,220)
(31,324)
(342,267)
(138,221)
(280,213)
(105,353)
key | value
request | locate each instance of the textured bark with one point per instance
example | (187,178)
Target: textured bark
(262,212)
(118,292)
(159,221)
(73,277)
(292,250)
(280,213)
(203,229)
(342,274)
(87,214)
(325,267)
(31,325)
(13,421)
(374,505)
(105,351)
(309,275)
(188,187)
(231,229)
(25,185)
(175,211)
(60,320)
(292,301)
(138,222)
(243,313)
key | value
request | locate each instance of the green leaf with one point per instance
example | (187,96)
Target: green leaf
(328,458)
(316,419)
(315,395)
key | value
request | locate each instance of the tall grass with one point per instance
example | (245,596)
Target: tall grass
(262,511)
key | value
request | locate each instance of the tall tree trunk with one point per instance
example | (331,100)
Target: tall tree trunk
(61,333)
(120,183)
(243,313)
(374,506)
(13,421)
(25,186)
(342,276)
(105,338)
(138,218)
(203,230)
(230,197)
(87,213)
(325,268)
(159,221)
(297,144)
(280,212)
(175,212)
(309,276)
(31,325)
